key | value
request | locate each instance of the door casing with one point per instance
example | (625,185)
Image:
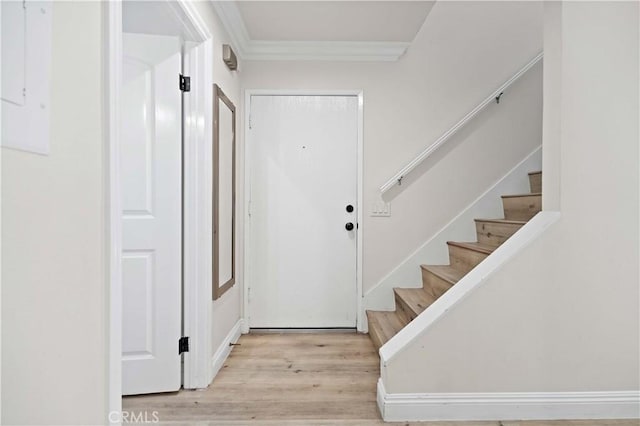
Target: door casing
(197,64)
(247,189)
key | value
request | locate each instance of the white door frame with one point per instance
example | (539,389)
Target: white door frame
(196,292)
(247,189)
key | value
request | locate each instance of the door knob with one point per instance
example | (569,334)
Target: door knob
(349,208)
(349,226)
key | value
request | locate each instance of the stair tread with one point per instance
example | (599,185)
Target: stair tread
(446,272)
(385,323)
(416,299)
(530,194)
(482,248)
(503,221)
(539,172)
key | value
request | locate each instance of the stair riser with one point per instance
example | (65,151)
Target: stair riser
(375,338)
(433,284)
(403,310)
(521,208)
(464,259)
(494,234)
(535,182)
(383,327)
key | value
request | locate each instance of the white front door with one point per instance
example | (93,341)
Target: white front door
(151,168)
(303,178)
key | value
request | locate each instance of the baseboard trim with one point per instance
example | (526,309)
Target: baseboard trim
(244,329)
(223,351)
(507,406)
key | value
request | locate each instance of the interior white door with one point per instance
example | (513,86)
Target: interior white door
(303,177)
(151,170)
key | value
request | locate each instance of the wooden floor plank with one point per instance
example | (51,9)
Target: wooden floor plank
(292,379)
(281,377)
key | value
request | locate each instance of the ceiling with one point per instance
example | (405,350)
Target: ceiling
(394,21)
(159,18)
(322,30)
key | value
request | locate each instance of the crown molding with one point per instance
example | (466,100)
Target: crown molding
(232,21)
(262,50)
(324,51)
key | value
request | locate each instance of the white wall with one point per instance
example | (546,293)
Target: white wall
(563,314)
(464,51)
(54,290)
(0,240)
(226,311)
(552,113)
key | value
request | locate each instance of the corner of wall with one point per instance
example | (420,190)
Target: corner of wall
(223,351)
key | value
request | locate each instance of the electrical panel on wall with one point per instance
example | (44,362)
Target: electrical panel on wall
(25,34)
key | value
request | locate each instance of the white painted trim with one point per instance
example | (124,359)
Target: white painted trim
(1,226)
(246,214)
(460,228)
(465,287)
(232,21)
(263,50)
(360,319)
(325,51)
(113,226)
(507,405)
(198,64)
(190,226)
(397,178)
(223,351)
(197,286)
(192,22)
(247,259)
(193,313)
(300,92)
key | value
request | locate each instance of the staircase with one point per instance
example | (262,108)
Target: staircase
(463,257)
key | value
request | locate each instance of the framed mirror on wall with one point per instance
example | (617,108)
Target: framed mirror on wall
(224,192)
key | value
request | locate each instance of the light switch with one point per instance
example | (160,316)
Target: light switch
(381,209)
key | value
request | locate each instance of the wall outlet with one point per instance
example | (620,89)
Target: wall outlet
(381,209)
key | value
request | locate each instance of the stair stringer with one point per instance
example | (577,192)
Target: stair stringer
(464,288)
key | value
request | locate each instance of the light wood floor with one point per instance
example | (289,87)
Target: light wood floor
(294,379)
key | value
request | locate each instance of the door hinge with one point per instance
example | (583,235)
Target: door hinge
(185,83)
(183,345)
(250,127)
